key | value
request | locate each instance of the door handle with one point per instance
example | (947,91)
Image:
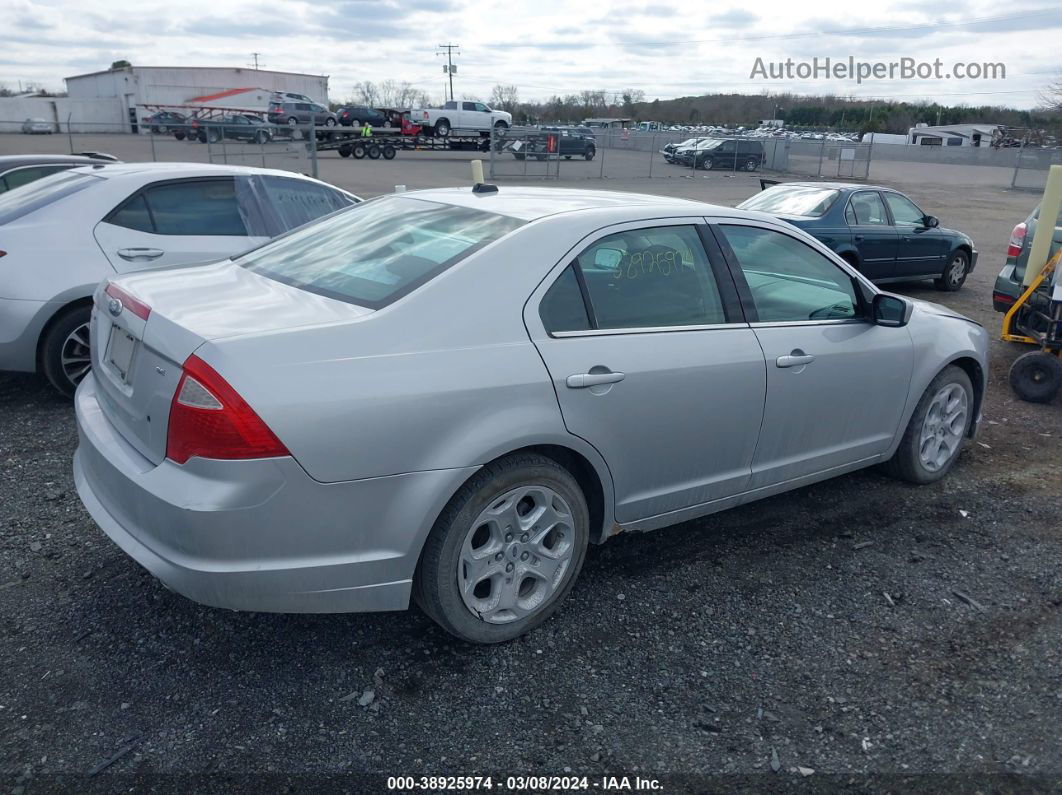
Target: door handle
(795,359)
(584,380)
(140,254)
(858,238)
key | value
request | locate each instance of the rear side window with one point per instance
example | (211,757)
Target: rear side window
(649,278)
(379,250)
(40,193)
(297,202)
(204,207)
(562,307)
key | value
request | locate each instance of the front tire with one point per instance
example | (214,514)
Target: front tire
(1036,376)
(506,550)
(955,275)
(64,353)
(937,429)
(589,153)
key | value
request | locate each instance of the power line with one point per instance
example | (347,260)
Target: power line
(449,67)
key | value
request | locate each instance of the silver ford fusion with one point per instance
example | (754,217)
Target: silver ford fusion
(447,394)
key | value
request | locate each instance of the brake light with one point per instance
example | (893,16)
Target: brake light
(134,305)
(1003,298)
(1017,240)
(209,419)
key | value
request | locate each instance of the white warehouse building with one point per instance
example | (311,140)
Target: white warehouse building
(127,94)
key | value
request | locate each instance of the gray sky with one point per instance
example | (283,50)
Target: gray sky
(664,47)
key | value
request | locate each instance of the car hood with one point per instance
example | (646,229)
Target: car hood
(929,308)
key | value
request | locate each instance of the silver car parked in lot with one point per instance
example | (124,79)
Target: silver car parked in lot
(448,394)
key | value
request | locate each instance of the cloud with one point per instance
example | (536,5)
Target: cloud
(733,18)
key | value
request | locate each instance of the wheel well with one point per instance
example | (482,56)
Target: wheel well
(80,302)
(973,369)
(442,119)
(966,248)
(585,475)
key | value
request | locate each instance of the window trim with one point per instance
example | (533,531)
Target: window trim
(861,286)
(180,181)
(728,294)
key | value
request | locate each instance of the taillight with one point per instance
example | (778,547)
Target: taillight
(134,305)
(1003,298)
(209,419)
(1017,240)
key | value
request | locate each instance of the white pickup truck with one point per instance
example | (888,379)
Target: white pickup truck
(460,116)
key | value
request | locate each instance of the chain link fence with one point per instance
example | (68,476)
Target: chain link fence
(265,146)
(1030,169)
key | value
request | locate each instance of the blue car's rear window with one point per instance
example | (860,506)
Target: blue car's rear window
(377,251)
(801,200)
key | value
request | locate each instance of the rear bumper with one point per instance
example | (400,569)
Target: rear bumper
(1006,290)
(261,534)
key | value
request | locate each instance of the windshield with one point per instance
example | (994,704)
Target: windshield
(379,250)
(807,201)
(34,195)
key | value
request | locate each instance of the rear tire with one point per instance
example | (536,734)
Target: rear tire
(389,152)
(373,152)
(358,151)
(516,559)
(752,164)
(442,128)
(64,356)
(954,275)
(930,431)
(589,153)
(1036,376)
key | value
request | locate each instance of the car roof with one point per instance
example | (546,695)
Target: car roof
(12,161)
(162,170)
(530,204)
(836,186)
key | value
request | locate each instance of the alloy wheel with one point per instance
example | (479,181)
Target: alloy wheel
(515,554)
(74,354)
(957,271)
(943,427)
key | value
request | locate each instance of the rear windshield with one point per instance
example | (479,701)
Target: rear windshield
(34,195)
(379,250)
(809,202)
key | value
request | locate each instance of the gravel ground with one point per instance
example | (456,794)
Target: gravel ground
(882,635)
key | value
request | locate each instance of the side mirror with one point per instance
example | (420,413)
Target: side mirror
(890,310)
(931,222)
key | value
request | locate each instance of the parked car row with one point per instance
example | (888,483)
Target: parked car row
(716,153)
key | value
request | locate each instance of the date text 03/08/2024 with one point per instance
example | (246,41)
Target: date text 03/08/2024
(523,783)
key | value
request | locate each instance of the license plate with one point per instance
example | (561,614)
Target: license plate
(120,351)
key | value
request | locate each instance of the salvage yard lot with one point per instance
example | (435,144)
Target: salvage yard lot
(861,627)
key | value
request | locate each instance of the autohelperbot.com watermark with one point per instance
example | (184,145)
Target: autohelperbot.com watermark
(852,68)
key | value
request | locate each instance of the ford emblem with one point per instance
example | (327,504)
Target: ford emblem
(114,306)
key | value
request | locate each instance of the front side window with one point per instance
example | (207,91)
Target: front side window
(298,202)
(904,211)
(869,209)
(790,281)
(648,278)
(482,108)
(379,250)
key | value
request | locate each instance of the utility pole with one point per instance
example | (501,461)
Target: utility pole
(255,56)
(449,67)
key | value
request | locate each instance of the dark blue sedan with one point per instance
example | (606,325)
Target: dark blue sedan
(878,230)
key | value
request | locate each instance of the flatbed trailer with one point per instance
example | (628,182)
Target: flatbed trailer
(386,143)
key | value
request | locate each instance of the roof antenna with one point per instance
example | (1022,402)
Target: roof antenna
(484,187)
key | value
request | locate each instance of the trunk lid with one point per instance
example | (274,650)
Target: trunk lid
(137,363)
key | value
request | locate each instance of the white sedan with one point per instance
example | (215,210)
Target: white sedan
(64,233)
(36,127)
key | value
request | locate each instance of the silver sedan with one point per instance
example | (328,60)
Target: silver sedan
(448,394)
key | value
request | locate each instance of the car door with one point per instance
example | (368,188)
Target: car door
(469,116)
(836,383)
(653,364)
(872,233)
(921,250)
(178,222)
